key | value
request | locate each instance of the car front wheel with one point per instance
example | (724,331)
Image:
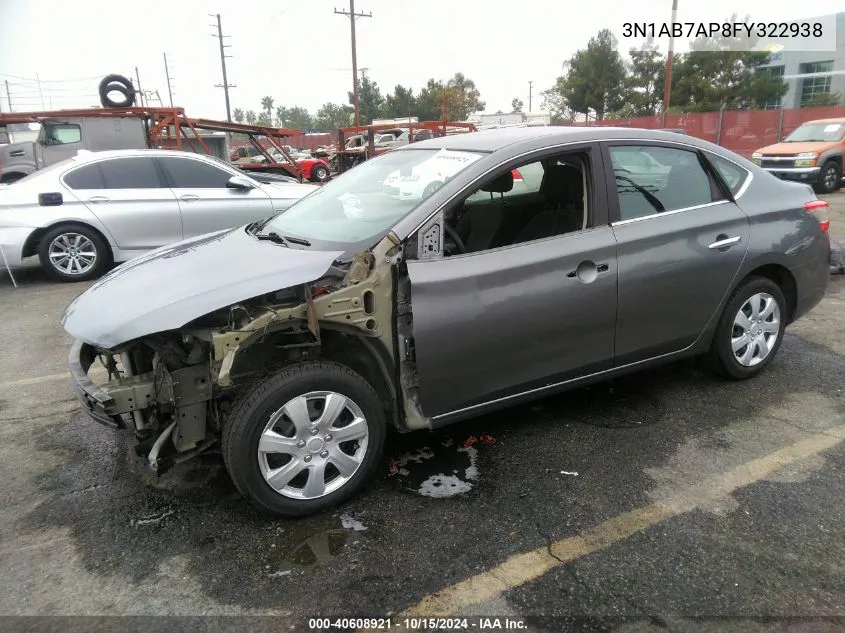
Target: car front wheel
(319,173)
(750,330)
(73,252)
(304,439)
(830,177)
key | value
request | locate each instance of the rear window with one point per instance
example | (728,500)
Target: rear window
(733,174)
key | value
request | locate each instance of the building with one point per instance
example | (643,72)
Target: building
(512,118)
(814,78)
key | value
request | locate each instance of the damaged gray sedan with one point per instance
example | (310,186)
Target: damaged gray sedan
(539,259)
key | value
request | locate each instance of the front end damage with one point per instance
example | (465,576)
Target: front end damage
(173,389)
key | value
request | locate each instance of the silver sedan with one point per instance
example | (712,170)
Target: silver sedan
(85,213)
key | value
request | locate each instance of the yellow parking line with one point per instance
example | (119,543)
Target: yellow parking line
(35,380)
(522,568)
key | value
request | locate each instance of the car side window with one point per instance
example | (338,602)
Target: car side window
(137,172)
(733,174)
(528,202)
(61,133)
(188,173)
(654,179)
(85,177)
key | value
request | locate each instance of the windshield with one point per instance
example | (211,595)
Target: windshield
(370,198)
(822,132)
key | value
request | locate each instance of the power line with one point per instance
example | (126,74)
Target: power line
(352,17)
(225,85)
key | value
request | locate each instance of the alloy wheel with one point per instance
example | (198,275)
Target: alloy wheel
(830,177)
(313,445)
(756,328)
(72,253)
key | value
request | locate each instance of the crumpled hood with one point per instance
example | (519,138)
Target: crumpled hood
(171,286)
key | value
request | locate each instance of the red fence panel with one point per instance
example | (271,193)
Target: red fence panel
(746,131)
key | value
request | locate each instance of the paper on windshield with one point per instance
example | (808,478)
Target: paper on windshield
(351,206)
(447,163)
(833,128)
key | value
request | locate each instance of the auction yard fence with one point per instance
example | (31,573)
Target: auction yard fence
(741,131)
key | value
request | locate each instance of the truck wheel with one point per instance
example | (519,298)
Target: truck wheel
(116,83)
(830,177)
(304,439)
(73,252)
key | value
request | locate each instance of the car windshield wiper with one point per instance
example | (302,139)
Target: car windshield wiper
(285,240)
(652,199)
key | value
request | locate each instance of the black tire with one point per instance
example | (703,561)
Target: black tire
(102,257)
(830,177)
(252,411)
(721,357)
(319,173)
(116,83)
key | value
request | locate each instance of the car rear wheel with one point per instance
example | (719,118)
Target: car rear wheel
(304,439)
(830,177)
(73,252)
(750,330)
(319,173)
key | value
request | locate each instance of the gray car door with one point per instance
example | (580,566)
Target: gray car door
(206,203)
(130,198)
(682,239)
(501,322)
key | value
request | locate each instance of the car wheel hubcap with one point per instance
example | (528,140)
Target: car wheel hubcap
(313,445)
(756,329)
(830,177)
(72,253)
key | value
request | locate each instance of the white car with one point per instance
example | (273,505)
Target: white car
(427,177)
(95,208)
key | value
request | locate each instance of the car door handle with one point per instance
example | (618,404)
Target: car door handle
(17,152)
(98,199)
(587,271)
(189,197)
(723,241)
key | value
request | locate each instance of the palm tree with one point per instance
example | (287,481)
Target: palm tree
(238,115)
(267,106)
(281,116)
(251,117)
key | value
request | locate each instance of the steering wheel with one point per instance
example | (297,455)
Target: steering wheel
(462,249)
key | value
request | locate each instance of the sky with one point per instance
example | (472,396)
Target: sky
(298,51)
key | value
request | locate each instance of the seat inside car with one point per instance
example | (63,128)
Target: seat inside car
(483,226)
(563,189)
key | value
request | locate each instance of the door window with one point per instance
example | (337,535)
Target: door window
(60,133)
(733,174)
(189,173)
(534,201)
(654,179)
(85,177)
(130,173)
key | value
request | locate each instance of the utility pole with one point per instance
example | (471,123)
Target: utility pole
(167,74)
(530,94)
(8,95)
(667,81)
(225,85)
(352,17)
(140,91)
(40,93)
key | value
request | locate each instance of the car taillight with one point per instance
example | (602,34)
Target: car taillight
(819,209)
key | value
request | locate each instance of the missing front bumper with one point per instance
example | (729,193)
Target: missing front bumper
(99,404)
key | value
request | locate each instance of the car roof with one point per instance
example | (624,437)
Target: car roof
(833,120)
(84,156)
(496,139)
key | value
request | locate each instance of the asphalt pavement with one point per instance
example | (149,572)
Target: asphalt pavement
(669,500)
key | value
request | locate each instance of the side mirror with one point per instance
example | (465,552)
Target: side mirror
(240,182)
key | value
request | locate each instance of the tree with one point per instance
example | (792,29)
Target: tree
(264,119)
(333,116)
(822,100)
(267,106)
(516,105)
(399,104)
(554,102)
(595,77)
(238,115)
(722,72)
(299,118)
(370,100)
(427,106)
(644,84)
(462,98)
(251,117)
(281,116)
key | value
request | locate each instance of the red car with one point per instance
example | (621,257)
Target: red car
(250,158)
